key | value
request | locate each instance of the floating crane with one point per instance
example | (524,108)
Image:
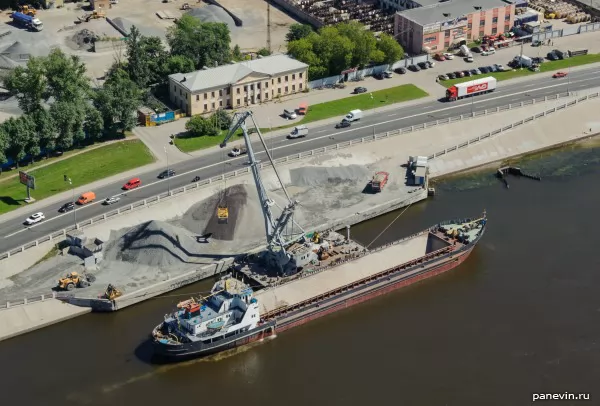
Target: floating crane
(277,257)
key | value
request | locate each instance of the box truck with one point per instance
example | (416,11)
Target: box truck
(354,115)
(471,88)
(27,21)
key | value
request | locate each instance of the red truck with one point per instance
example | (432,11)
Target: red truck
(471,88)
(379,181)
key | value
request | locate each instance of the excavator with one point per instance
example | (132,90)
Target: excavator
(111,292)
(74,280)
(93,15)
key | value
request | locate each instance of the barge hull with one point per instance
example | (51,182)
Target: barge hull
(367,291)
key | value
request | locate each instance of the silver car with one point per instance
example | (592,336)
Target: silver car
(111,200)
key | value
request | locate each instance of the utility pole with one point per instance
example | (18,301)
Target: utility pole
(168,174)
(67,179)
(268,26)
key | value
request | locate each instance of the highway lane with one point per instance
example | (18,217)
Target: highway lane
(15,234)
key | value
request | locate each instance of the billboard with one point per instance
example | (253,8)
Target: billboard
(431,28)
(455,23)
(27,180)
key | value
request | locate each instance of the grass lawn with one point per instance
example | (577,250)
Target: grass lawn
(321,111)
(82,169)
(547,66)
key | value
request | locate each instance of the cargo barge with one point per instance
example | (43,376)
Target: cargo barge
(254,316)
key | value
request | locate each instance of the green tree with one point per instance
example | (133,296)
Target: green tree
(3,144)
(64,115)
(263,52)
(94,124)
(236,53)
(207,44)
(66,77)
(364,42)
(46,130)
(118,101)
(390,48)
(28,127)
(222,119)
(298,31)
(157,58)
(335,49)
(29,84)
(177,64)
(137,60)
(19,135)
(196,126)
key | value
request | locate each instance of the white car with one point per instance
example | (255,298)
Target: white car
(111,200)
(448,55)
(35,218)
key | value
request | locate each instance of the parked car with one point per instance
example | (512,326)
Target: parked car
(378,76)
(560,74)
(443,77)
(552,56)
(500,68)
(448,55)
(401,71)
(477,49)
(166,174)
(469,58)
(536,43)
(35,218)
(467,73)
(343,124)
(430,64)
(483,70)
(490,51)
(439,57)
(111,200)
(475,71)
(423,65)
(459,74)
(66,207)
(360,89)
(414,68)
(537,59)
(451,75)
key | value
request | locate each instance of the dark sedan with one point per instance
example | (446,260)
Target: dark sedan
(414,68)
(360,89)
(343,124)
(400,71)
(166,174)
(423,65)
(66,207)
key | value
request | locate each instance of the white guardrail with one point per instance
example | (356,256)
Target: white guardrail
(290,158)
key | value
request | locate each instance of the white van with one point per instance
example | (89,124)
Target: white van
(290,114)
(299,132)
(354,115)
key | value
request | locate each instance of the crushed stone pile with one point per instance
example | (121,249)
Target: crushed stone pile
(212,14)
(333,175)
(154,243)
(84,39)
(245,216)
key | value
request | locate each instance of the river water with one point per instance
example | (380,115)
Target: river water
(520,316)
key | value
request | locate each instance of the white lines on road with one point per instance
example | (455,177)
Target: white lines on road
(392,115)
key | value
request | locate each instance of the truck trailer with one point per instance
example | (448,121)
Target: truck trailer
(471,88)
(379,181)
(27,21)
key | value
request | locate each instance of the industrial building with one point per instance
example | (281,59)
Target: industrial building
(437,27)
(237,85)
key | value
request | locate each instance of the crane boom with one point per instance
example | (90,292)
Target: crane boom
(274,227)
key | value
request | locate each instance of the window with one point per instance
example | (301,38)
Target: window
(180,92)
(205,96)
(238,90)
(293,76)
(506,27)
(470,25)
(220,93)
(447,33)
(197,97)
(286,78)
(258,96)
(266,96)
(300,86)
(494,30)
(481,23)
(213,106)
(220,103)
(245,88)
(205,107)
(286,89)
(494,19)
(279,91)
(507,17)
(446,44)
(278,80)
(266,85)
(238,102)
(300,75)
(293,88)
(228,91)
(212,95)
(258,85)
(481,34)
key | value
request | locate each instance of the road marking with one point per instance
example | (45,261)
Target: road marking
(392,115)
(288,145)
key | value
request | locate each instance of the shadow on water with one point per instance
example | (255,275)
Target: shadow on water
(145,354)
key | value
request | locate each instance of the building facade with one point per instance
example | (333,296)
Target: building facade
(436,28)
(237,85)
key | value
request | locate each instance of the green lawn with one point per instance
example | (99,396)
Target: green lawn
(195,143)
(547,66)
(82,169)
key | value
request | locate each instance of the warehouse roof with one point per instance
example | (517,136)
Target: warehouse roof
(454,9)
(230,74)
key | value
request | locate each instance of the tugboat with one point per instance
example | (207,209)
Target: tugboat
(229,317)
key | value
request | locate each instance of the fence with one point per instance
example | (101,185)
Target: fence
(291,158)
(582,29)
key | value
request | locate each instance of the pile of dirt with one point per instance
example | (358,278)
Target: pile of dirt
(84,39)
(333,175)
(154,243)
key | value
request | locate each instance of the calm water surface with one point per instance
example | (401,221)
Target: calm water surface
(521,315)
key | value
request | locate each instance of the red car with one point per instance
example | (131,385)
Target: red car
(439,57)
(559,75)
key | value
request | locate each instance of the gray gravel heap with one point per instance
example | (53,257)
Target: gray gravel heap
(333,175)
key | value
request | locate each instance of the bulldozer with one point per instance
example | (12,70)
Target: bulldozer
(74,280)
(111,293)
(27,10)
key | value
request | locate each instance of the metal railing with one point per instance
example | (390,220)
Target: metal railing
(27,300)
(291,158)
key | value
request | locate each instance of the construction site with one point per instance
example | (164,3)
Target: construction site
(180,241)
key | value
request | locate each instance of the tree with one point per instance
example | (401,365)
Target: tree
(196,126)
(28,84)
(222,119)
(298,31)
(46,130)
(236,53)
(27,126)
(117,102)
(19,134)
(364,42)
(390,48)
(137,61)
(64,116)
(66,78)
(263,52)
(94,124)
(3,144)
(207,44)
(177,64)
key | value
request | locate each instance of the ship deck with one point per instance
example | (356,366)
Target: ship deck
(322,282)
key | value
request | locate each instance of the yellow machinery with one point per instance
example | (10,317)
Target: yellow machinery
(28,10)
(222,213)
(93,15)
(111,292)
(316,238)
(74,280)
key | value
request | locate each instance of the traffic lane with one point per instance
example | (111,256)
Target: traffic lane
(332,135)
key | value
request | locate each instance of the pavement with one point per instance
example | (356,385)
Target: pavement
(210,163)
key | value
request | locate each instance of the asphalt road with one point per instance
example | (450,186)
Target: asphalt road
(15,234)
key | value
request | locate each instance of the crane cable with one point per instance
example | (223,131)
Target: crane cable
(389,225)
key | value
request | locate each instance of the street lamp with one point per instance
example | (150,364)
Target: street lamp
(168,173)
(67,179)
(373,106)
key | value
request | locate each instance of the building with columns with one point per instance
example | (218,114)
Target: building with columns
(434,28)
(237,85)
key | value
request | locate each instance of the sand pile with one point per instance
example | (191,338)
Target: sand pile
(333,175)
(245,216)
(154,243)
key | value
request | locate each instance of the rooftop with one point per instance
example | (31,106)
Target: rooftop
(229,74)
(454,9)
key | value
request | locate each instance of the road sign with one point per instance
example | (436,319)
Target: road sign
(27,180)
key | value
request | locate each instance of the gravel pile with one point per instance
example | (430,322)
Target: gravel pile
(154,243)
(125,25)
(334,175)
(84,39)
(212,14)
